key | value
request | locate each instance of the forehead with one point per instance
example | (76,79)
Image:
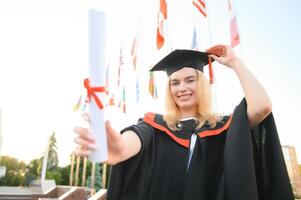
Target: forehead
(183,73)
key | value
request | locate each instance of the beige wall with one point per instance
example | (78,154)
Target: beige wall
(292,167)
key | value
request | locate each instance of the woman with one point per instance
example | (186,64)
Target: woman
(190,153)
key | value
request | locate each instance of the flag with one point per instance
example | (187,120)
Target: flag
(134,53)
(234,35)
(194,42)
(78,104)
(137,90)
(200,5)
(107,81)
(152,86)
(119,67)
(112,100)
(162,16)
(122,103)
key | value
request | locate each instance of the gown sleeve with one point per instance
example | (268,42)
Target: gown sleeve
(124,180)
(254,166)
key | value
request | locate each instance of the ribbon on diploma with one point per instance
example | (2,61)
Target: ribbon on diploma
(91,92)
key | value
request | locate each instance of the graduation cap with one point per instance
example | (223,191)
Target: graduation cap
(181,58)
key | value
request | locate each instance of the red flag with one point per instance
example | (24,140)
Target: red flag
(233,26)
(162,16)
(200,5)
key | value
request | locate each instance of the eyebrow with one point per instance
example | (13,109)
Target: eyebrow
(187,77)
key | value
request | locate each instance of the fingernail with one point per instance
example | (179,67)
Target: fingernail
(92,146)
(90,137)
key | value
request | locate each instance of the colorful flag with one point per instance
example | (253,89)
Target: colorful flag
(78,104)
(152,86)
(233,26)
(122,103)
(119,67)
(200,5)
(162,16)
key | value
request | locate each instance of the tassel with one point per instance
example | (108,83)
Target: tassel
(210,71)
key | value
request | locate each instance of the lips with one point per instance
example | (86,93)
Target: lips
(184,96)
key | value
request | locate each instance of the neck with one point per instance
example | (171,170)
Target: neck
(188,113)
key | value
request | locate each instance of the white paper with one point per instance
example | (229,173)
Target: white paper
(97,40)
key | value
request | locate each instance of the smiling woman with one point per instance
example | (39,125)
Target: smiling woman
(191,153)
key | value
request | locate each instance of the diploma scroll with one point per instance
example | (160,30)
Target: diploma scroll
(96,84)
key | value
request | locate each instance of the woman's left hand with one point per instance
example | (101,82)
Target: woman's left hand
(222,54)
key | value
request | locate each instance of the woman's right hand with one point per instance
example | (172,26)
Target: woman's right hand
(85,141)
(120,147)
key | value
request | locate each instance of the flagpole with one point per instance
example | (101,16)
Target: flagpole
(104,175)
(84,172)
(213,86)
(77,171)
(71,169)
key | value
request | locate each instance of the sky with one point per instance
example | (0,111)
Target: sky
(44,57)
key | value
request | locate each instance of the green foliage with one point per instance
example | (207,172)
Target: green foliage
(15,171)
(98,178)
(32,171)
(65,175)
(55,175)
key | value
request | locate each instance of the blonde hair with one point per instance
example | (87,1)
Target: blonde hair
(204,107)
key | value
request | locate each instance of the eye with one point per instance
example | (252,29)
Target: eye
(191,80)
(174,83)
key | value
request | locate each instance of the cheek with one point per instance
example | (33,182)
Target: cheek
(173,91)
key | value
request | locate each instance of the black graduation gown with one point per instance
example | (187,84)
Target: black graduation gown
(230,162)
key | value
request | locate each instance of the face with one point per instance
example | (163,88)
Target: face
(183,87)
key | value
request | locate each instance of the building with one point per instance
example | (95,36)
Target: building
(293,168)
(0,132)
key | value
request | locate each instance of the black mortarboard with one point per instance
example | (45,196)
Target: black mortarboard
(181,58)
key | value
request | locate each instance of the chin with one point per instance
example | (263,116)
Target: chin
(186,105)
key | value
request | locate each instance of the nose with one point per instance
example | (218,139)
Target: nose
(182,86)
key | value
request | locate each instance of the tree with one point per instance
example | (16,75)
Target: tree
(53,160)
(32,171)
(15,171)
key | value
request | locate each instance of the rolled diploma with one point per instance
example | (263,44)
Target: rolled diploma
(97,40)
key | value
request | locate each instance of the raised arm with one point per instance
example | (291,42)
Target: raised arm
(258,101)
(120,147)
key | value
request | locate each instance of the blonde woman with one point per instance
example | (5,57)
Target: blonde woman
(191,153)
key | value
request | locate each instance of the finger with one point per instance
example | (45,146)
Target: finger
(86,116)
(84,143)
(111,132)
(218,52)
(216,47)
(213,56)
(82,152)
(84,133)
